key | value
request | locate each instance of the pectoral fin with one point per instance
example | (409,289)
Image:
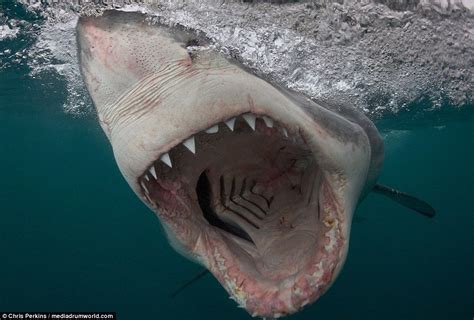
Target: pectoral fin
(406,200)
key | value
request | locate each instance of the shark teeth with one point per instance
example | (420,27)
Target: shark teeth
(268,121)
(213,129)
(230,123)
(144,187)
(153,172)
(166,159)
(250,119)
(190,144)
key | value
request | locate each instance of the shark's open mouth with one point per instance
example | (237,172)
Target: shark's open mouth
(249,200)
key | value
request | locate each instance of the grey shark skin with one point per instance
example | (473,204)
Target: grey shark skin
(254,182)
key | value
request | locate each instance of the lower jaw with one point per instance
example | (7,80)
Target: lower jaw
(260,294)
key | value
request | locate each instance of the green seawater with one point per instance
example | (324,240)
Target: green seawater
(74,237)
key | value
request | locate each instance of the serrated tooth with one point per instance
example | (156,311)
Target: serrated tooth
(144,187)
(213,129)
(147,196)
(285,132)
(250,119)
(230,123)
(153,172)
(190,144)
(268,121)
(166,159)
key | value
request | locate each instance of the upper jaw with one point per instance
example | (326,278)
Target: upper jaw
(184,111)
(151,95)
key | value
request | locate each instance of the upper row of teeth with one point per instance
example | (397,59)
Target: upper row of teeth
(190,143)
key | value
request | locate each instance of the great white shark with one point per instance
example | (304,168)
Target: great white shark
(256,183)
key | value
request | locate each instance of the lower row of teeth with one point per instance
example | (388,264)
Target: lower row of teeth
(190,143)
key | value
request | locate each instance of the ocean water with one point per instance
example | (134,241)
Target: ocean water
(74,237)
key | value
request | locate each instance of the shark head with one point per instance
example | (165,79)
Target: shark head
(254,182)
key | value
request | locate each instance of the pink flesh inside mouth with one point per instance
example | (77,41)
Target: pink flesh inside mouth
(248,200)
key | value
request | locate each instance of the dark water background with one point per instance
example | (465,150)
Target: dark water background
(73,236)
